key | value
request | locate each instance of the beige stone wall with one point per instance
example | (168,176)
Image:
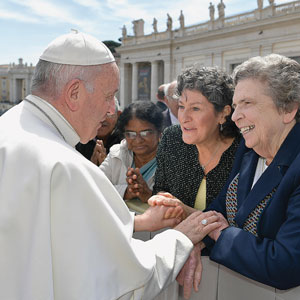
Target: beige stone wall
(224,43)
(290,48)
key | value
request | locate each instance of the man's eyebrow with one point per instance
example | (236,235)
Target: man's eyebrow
(239,102)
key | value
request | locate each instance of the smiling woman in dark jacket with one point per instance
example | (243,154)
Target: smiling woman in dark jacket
(259,207)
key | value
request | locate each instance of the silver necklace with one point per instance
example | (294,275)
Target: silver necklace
(211,158)
(47,116)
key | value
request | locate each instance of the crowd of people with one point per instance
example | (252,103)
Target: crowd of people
(216,157)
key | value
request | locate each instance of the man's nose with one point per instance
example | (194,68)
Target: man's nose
(235,115)
(111,107)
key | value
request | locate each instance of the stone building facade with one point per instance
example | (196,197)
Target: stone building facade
(150,60)
(15,80)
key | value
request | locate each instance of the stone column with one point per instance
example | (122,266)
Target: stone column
(154,80)
(256,50)
(167,71)
(266,49)
(217,59)
(135,81)
(122,86)
(29,81)
(12,89)
(208,62)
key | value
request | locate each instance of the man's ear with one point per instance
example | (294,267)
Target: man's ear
(72,93)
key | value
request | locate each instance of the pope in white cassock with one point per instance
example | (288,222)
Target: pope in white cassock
(65,233)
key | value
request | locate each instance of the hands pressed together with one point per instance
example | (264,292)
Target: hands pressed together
(99,153)
(195,225)
(137,186)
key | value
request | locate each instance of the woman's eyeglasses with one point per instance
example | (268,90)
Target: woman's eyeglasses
(142,134)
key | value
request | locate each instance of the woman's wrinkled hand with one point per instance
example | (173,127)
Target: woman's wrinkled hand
(167,199)
(198,225)
(153,219)
(223,224)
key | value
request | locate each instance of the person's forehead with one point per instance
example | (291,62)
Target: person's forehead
(246,86)
(138,122)
(109,79)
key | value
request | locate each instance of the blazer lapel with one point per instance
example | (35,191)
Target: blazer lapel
(260,190)
(246,175)
(248,199)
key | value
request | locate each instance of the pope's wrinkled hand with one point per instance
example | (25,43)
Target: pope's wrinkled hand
(191,272)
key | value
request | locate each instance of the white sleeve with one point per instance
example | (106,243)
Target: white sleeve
(172,248)
(93,253)
(169,250)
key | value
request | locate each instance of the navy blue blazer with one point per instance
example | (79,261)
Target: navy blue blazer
(273,256)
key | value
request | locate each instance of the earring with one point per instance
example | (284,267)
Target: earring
(221,127)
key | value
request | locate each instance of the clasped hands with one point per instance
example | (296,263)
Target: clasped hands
(137,186)
(99,153)
(206,223)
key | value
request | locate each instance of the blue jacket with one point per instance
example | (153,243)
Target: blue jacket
(273,256)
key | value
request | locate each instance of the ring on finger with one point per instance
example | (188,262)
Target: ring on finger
(204,222)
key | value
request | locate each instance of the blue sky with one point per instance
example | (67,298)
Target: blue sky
(27,26)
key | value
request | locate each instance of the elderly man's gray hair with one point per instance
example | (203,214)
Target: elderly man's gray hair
(49,78)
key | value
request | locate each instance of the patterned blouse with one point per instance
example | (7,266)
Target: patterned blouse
(179,172)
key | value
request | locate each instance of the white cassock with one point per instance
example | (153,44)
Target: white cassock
(65,233)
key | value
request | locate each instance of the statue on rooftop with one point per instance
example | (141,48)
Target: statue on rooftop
(260,4)
(169,23)
(154,24)
(138,27)
(124,32)
(271,2)
(181,20)
(211,11)
(221,9)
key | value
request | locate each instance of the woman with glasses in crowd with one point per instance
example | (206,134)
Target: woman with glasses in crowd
(141,123)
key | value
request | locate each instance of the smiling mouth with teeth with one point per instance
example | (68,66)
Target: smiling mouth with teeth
(246,129)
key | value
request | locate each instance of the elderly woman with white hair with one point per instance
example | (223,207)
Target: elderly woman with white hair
(259,206)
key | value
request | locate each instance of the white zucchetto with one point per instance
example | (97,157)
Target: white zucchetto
(77,48)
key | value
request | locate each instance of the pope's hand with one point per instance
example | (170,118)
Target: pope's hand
(191,273)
